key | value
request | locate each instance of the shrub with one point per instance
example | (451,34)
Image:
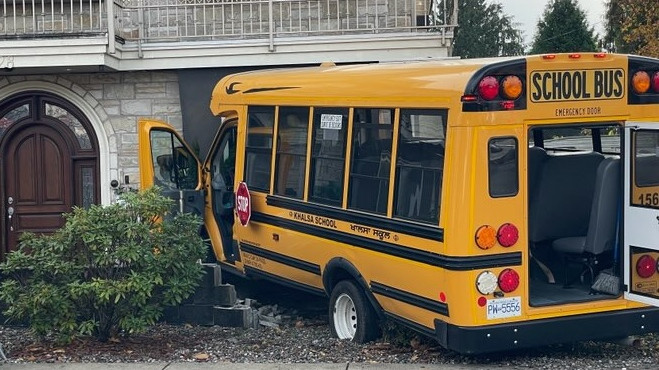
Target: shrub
(109,269)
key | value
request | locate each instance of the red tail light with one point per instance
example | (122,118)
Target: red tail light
(646,266)
(508,280)
(655,82)
(488,88)
(507,235)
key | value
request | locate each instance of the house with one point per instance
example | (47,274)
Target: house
(76,75)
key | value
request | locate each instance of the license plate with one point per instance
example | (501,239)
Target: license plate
(500,308)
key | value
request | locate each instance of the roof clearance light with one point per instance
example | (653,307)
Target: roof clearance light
(655,82)
(574,56)
(549,56)
(641,82)
(508,280)
(486,237)
(507,235)
(511,87)
(486,282)
(646,266)
(600,55)
(488,88)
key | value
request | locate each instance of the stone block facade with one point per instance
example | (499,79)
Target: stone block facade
(114,102)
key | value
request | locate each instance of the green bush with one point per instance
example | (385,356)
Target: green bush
(109,269)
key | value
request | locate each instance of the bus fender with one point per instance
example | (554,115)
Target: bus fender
(339,268)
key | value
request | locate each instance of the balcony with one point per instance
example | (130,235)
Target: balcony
(86,35)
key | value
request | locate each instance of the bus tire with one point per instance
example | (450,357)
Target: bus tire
(351,315)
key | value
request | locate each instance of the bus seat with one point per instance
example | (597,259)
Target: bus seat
(600,237)
(561,206)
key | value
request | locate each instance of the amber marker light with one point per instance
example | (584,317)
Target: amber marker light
(511,87)
(486,237)
(641,82)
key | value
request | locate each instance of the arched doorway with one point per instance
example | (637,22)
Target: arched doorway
(48,164)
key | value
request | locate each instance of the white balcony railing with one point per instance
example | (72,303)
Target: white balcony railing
(195,20)
(21,18)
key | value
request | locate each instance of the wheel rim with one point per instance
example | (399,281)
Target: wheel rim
(345,317)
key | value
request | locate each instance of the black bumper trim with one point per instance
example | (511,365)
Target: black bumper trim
(526,334)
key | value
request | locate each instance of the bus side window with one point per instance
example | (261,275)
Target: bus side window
(420,164)
(291,151)
(503,157)
(258,151)
(371,160)
(330,126)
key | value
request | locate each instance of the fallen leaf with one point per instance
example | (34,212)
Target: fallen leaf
(201,356)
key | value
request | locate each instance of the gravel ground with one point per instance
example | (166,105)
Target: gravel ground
(303,336)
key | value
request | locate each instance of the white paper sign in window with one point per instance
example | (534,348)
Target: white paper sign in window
(331,121)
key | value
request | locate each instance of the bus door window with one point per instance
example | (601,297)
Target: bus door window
(291,151)
(420,164)
(223,162)
(258,152)
(503,171)
(371,159)
(174,167)
(330,126)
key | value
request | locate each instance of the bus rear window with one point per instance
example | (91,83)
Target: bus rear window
(503,167)
(646,158)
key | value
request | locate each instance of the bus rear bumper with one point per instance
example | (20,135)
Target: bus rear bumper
(512,336)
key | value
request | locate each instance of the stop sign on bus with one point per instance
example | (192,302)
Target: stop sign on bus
(243,204)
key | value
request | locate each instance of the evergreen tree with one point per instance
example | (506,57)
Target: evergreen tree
(563,28)
(632,26)
(485,31)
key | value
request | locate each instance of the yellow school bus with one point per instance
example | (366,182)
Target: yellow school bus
(491,204)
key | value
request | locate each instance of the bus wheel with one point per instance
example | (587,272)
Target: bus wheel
(351,315)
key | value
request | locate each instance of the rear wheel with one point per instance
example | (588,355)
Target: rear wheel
(351,315)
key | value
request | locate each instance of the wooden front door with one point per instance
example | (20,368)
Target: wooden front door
(37,181)
(48,163)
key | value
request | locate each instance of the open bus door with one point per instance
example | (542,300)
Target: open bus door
(168,162)
(641,212)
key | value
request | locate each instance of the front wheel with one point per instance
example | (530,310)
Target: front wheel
(351,315)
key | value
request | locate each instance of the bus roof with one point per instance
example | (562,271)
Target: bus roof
(432,78)
(430,84)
